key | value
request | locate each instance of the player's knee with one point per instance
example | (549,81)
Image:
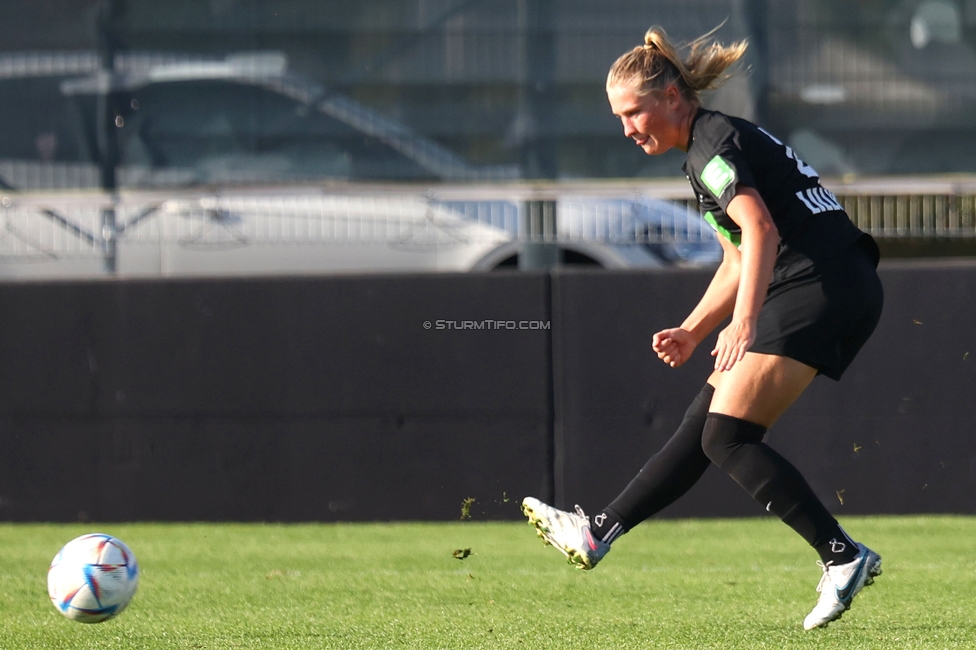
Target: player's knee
(724,434)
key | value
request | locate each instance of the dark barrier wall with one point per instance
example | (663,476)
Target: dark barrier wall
(327,398)
(896,435)
(276,399)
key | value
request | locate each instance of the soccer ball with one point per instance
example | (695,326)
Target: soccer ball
(92,578)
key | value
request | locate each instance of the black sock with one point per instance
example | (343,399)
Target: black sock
(736,446)
(839,549)
(607,526)
(666,476)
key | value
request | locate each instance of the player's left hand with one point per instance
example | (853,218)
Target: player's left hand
(733,343)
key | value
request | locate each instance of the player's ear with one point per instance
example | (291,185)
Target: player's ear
(672,94)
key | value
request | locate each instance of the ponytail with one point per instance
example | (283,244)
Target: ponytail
(657,63)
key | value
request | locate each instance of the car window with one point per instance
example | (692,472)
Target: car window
(37,123)
(223,129)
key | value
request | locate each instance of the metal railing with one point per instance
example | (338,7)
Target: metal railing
(912,208)
(50,227)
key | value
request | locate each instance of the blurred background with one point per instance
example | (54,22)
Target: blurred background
(271,260)
(266,136)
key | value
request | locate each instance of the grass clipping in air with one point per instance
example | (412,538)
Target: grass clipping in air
(719,584)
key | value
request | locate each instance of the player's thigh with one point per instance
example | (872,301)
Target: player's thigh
(760,387)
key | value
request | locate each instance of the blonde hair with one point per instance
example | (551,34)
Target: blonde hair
(657,63)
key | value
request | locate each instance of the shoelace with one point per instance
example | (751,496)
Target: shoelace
(580,512)
(825,577)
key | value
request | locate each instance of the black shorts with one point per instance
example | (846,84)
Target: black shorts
(823,316)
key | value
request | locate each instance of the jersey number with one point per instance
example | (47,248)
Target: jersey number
(803,168)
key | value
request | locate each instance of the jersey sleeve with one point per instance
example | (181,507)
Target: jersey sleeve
(725,167)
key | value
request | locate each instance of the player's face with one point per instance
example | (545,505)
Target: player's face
(654,121)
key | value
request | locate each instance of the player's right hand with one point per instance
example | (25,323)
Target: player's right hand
(674,346)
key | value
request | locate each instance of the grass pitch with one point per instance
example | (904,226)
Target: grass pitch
(668,584)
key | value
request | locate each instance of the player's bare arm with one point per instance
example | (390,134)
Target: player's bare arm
(757,254)
(675,345)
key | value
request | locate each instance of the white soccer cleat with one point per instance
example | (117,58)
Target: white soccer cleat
(839,584)
(567,531)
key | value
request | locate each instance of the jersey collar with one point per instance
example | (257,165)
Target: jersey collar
(691,129)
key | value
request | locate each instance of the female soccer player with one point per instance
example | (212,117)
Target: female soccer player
(797,279)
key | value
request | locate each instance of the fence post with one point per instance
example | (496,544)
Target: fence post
(537,230)
(107,121)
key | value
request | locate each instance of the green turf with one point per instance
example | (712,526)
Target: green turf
(686,584)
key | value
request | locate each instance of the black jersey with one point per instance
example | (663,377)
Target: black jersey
(725,152)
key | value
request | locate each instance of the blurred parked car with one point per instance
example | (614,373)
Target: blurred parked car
(606,232)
